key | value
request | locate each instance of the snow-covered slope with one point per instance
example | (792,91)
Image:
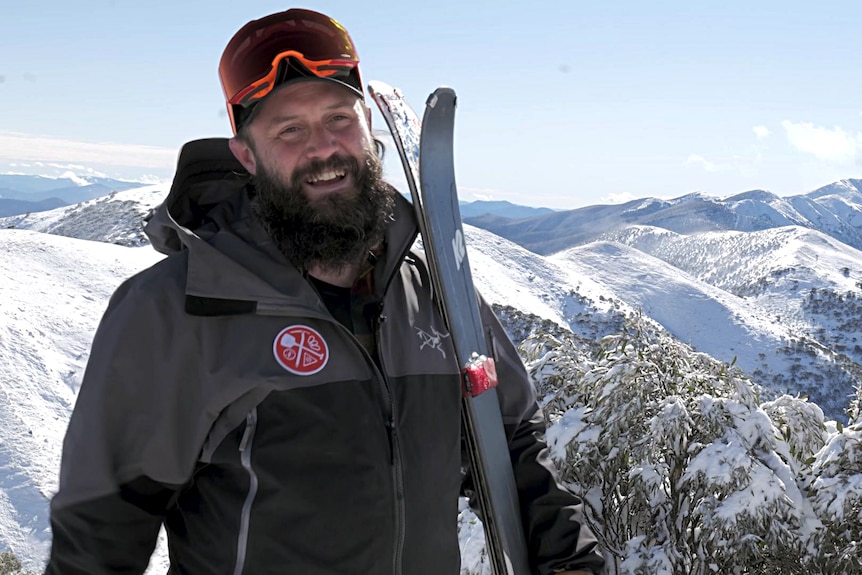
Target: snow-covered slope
(728,327)
(507,274)
(52,292)
(802,279)
(115,218)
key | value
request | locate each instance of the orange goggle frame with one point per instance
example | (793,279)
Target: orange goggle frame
(279,73)
(289,65)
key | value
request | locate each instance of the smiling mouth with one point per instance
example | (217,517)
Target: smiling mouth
(326,177)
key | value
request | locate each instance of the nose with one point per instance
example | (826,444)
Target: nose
(321,142)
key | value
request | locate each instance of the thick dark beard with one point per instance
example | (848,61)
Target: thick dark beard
(333,232)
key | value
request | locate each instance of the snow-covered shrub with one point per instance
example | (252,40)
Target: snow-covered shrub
(801,425)
(835,491)
(676,462)
(854,410)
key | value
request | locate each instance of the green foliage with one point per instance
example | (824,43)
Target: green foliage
(681,470)
(835,489)
(801,427)
(10,565)
(854,410)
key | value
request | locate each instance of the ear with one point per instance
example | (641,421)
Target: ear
(244,154)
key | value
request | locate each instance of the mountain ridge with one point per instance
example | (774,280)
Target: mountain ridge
(835,209)
(727,274)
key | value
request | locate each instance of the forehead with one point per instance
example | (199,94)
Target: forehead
(307,96)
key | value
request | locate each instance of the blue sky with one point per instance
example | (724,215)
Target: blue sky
(561,104)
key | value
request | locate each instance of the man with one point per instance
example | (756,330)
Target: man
(263,392)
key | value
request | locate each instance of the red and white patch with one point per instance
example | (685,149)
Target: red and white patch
(300,350)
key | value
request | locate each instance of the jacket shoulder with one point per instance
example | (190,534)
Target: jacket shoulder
(162,280)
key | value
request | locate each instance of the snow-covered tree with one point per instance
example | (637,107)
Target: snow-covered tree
(679,466)
(835,489)
(801,425)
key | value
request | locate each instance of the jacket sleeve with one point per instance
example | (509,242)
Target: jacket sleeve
(125,455)
(557,535)
(112,534)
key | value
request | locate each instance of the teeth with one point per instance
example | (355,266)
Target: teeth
(326,176)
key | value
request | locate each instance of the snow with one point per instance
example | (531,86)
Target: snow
(52,293)
(566,428)
(114,219)
(506,273)
(708,318)
(742,294)
(54,286)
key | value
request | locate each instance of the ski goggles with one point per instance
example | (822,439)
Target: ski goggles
(274,50)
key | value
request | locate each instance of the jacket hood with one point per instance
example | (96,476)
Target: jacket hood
(208,174)
(208,213)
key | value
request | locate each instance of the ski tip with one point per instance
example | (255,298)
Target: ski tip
(444,94)
(377,86)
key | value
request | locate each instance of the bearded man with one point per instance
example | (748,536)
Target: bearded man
(264,392)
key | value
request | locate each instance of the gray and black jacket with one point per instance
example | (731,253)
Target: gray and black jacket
(223,401)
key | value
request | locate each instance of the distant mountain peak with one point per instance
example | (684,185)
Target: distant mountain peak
(845,188)
(753,195)
(500,209)
(693,196)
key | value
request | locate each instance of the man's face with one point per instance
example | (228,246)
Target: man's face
(304,132)
(317,177)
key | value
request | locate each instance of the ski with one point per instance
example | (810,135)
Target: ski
(426,152)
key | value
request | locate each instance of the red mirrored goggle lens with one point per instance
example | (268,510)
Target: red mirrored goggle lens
(292,64)
(252,54)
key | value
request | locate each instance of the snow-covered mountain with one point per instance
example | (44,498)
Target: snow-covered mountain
(783,303)
(501,209)
(21,193)
(835,210)
(730,294)
(115,218)
(770,338)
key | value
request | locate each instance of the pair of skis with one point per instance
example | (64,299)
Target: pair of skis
(426,151)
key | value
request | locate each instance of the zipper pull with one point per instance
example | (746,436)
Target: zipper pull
(391,433)
(250,424)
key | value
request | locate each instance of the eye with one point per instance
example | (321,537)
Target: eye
(288,130)
(341,121)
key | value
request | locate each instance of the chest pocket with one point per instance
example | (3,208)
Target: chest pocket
(414,335)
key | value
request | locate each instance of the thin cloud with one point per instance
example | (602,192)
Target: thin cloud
(702,162)
(482,194)
(762,132)
(29,148)
(835,145)
(78,180)
(619,198)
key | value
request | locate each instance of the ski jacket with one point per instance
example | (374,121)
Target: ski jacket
(223,401)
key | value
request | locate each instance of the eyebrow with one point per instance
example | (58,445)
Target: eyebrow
(344,103)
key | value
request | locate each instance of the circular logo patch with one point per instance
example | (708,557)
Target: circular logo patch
(300,350)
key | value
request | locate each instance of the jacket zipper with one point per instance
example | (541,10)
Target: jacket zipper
(395,453)
(245,516)
(390,423)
